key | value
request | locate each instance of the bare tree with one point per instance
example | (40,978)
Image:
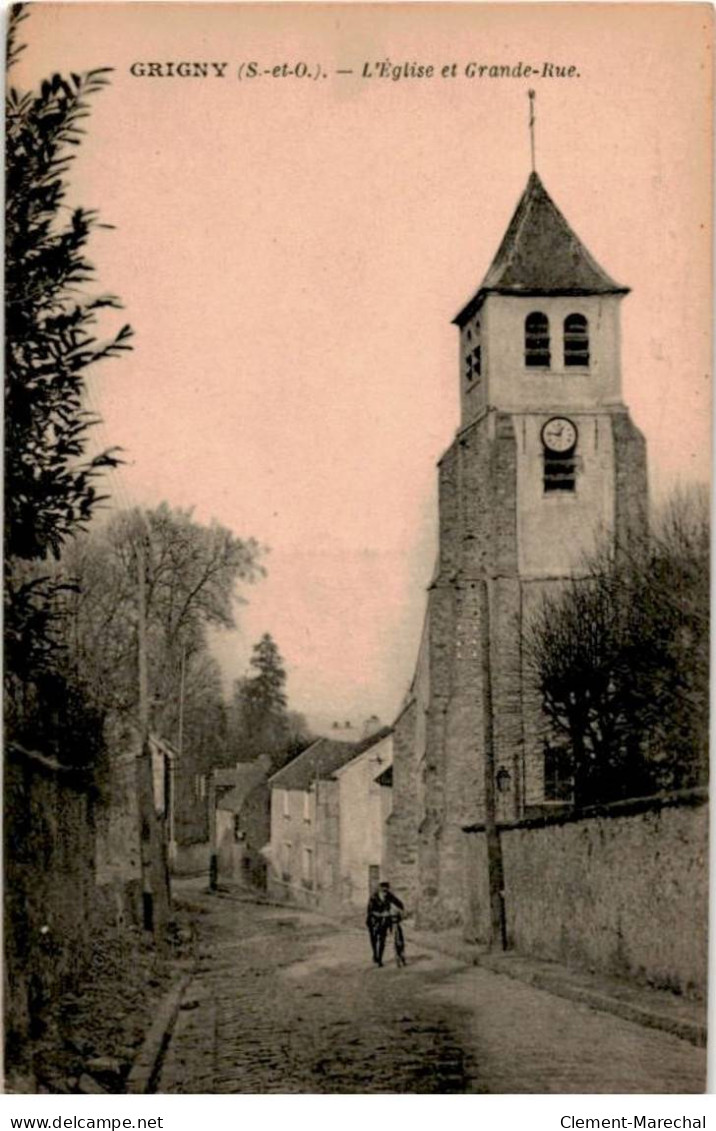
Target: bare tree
(621,660)
(192,572)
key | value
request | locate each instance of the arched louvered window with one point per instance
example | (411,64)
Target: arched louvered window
(537,354)
(576,340)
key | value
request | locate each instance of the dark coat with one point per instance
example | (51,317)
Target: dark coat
(380,902)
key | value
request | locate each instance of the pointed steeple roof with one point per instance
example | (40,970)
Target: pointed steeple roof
(541,255)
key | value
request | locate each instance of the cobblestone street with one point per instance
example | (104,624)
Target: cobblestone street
(285,1001)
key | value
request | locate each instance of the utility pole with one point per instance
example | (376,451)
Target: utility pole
(213,846)
(145,791)
(498,929)
(155,886)
(316,780)
(177,762)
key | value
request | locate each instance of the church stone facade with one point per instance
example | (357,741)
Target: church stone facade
(545,465)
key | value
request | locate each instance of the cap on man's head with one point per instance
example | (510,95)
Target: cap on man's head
(384,884)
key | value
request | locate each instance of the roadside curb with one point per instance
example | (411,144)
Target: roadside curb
(686,1030)
(142,1076)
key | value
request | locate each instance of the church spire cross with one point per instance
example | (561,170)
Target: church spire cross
(531,95)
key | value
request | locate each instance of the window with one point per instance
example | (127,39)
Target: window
(473,364)
(473,356)
(537,354)
(558,779)
(559,470)
(286,807)
(307,808)
(307,868)
(576,340)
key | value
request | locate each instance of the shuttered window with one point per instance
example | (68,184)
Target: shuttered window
(560,470)
(537,351)
(576,340)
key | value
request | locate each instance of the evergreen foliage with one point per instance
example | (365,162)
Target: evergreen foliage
(261,722)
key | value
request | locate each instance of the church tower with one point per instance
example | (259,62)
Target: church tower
(545,465)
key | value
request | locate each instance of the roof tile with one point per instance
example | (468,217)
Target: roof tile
(540,254)
(321,760)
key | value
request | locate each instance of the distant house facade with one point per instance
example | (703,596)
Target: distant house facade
(306,817)
(364,797)
(243,825)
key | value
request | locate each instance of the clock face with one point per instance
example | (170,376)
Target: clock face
(559,434)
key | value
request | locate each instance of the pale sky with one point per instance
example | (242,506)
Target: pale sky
(291,252)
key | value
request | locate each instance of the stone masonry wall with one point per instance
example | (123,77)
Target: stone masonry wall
(463,741)
(478,493)
(402,824)
(449,715)
(630,485)
(431,767)
(49,897)
(624,890)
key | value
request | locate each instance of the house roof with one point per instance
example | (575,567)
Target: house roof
(540,255)
(321,760)
(225,776)
(248,775)
(374,749)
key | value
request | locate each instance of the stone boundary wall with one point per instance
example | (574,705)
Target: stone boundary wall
(621,888)
(49,882)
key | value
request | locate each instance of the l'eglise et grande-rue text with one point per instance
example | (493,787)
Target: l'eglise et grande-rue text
(678,1122)
(379,69)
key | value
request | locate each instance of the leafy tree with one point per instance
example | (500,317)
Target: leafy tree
(50,484)
(621,661)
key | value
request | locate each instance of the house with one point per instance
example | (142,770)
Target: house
(304,850)
(243,824)
(364,797)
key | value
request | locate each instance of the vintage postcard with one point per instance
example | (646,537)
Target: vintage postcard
(358,417)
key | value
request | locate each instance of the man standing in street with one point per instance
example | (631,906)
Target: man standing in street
(378,918)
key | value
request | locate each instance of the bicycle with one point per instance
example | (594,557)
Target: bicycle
(398,939)
(391,921)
